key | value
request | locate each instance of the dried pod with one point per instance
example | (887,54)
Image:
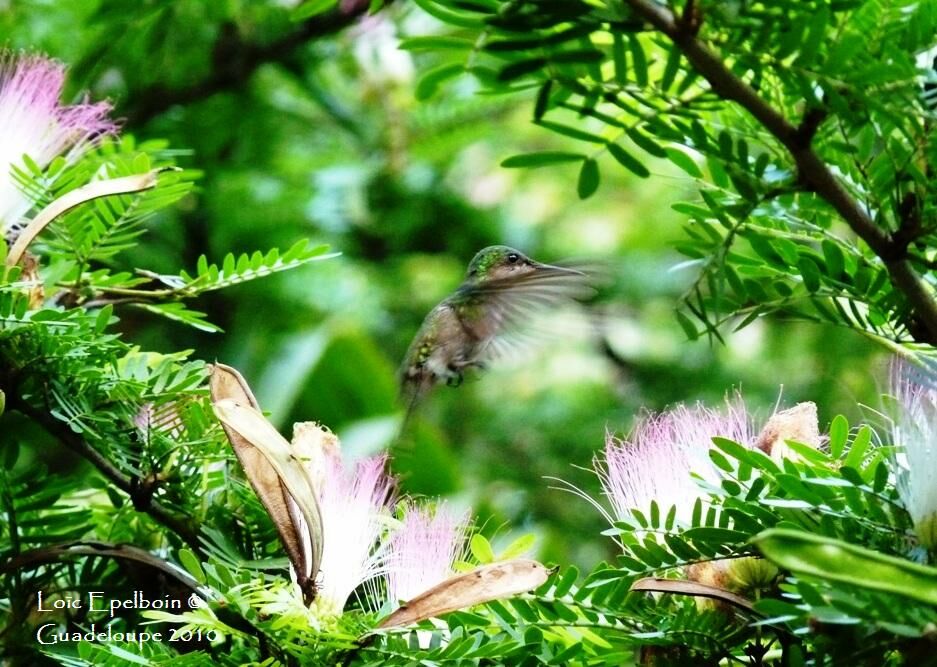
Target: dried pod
(277,476)
(30,274)
(799,423)
(693,588)
(76,197)
(484,584)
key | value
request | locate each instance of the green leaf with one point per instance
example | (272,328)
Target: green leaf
(541,159)
(725,145)
(638,60)
(627,160)
(571,132)
(645,143)
(208,277)
(880,476)
(687,325)
(481,549)
(430,82)
(680,547)
(312,8)
(670,69)
(565,582)
(449,16)
(839,430)
(588,178)
(684,162)
(103,319)
(721,461)
(859,447)
(720,536)
(435,43)
(835,261)
(579,56)
(174,310)
(191,564)
(791,34)
(816,32)
(717,172)
(117,500)
(521,68)
(543,99)
(810,273)
(527,44)
(753,457)
(618,56)
(765,249)
(518,547)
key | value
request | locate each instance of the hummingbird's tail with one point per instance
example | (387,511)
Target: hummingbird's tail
(412,389)
(411,403)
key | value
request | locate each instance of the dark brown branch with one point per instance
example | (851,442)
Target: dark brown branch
(814,172)
(140,493)
(65,551)
(57,552)
(809,124)
(692,18)
(910,227)
(235,61)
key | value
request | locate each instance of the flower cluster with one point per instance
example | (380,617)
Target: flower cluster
(423,551)
(354,502)
(364,545)
(657,461)
(33,122)
(914,428)
(343,527)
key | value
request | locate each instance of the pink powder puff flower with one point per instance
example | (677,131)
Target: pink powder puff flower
(354,506)
(915,430)
(657,461)
(423,550)
(34,123)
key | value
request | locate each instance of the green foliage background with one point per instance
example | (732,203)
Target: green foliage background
(407,137)
(327,139)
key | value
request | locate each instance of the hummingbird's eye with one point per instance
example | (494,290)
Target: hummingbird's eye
(513,257)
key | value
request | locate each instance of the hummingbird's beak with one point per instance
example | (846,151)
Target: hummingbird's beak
(554,269)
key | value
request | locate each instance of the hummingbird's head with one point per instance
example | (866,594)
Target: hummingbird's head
(501,262)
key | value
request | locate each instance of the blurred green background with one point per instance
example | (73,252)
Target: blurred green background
(324,130)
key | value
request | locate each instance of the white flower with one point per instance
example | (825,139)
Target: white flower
(377,52)
(655,463)
(915,429)
(423,550)
(34,123)
(354,506)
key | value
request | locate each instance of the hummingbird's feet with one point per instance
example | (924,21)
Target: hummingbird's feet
(455,379)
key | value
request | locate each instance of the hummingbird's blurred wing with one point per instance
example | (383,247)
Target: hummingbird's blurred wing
(514,306)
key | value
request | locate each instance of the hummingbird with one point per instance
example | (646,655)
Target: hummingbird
(485,317)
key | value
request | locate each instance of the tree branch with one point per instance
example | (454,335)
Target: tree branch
(235,61)
(66,550)
(127,552)
(813,170)
(140,493)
